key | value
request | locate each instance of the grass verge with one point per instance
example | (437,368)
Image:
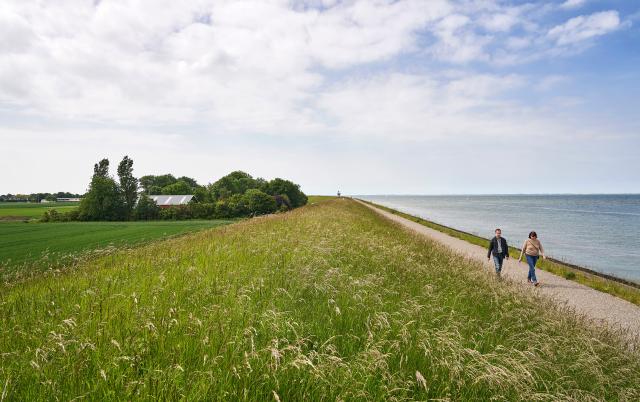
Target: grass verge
(327,302)
(618,289)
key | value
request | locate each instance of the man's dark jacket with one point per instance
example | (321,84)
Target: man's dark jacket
(493,248)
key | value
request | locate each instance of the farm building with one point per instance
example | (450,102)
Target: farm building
(65,199)
(165,201)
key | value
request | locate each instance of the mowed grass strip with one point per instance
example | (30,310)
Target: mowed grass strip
(26,248)
(26,211)
(326,302)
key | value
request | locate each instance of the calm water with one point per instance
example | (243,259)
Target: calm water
(601,232)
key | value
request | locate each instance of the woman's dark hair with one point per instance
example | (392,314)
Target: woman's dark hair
(533,234)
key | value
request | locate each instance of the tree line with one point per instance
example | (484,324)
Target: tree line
(37,197)
(237,194)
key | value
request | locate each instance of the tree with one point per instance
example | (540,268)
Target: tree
(201,195)
(258,202)
(146,182)
(101,169)
(176,188)
(191,182)
(154,190)
(103,200)
(128,184)
(234,183)
(150,183)
(146,208)
(279,186)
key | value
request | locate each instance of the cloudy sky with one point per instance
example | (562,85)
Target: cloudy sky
(369,97)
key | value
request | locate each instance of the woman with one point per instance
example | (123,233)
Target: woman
(532,248)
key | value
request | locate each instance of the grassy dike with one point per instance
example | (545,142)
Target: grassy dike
(326,302)
(567,271)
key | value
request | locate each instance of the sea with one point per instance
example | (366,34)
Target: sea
(600,232)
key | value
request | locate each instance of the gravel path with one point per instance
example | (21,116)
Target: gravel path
(599,307)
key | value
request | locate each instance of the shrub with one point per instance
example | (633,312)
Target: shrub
(55,216)
(179,212)
(235,183)
(282,202)
(238,206)
(223,209)
(203,210)
(146,209)
(259,203)
(279,186)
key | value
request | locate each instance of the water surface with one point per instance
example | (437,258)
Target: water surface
(601,232)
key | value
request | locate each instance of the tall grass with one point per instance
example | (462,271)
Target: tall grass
(33,248)
(615,288)
(328,302)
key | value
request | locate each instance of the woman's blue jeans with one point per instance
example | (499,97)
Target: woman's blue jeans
(532,260)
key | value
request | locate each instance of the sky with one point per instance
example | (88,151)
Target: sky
(365,97)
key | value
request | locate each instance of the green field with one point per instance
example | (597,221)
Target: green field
(27,247)
(327,302)
(26,211)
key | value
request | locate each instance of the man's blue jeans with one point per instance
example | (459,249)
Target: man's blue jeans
(532,260)
(497,260)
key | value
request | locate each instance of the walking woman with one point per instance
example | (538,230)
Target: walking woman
(532,249)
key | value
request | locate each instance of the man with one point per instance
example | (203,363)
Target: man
(499,249)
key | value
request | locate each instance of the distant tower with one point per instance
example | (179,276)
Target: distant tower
(338,193)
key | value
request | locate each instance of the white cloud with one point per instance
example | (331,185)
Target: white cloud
(235,64)
(570,4)
(118,74)
(581,28)
(499,22)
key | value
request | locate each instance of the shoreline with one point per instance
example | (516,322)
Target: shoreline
(590,271)
(601,308)
(586,276)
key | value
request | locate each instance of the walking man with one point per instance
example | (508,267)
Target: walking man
(499,249)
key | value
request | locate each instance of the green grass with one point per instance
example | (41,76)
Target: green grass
(28,248)
(327,302)
(312,199)
(626,292)
(26,211)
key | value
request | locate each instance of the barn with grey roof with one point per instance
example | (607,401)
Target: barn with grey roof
(171,200)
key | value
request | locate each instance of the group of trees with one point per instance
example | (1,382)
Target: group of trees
(108,199)
(37,197)
(237,194)
(167,184)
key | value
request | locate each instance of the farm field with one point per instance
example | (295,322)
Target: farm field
(327,302)
(25,211)
(39,246)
